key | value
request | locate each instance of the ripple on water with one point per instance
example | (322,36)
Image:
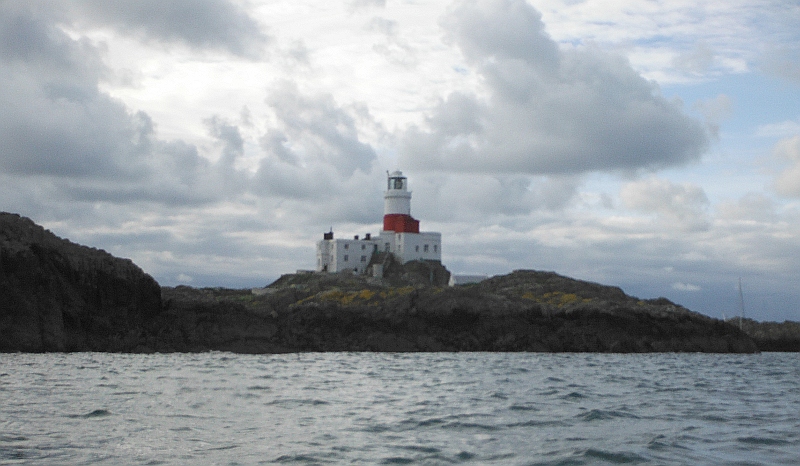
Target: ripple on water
(97,413)
(604,414)
(763,441)
(353,408)
(613,457)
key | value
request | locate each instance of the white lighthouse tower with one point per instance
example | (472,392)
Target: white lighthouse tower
(397,205)
(397,197)
(400,236)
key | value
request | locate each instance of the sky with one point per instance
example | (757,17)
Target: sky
(645,144)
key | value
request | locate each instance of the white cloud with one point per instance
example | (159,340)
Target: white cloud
(752,207)
(678,206)
(787,182)
(318,130)
(697,61)
(685,287)
(683,40)
(781,130)
(715,111)
(548,110)
(366,4)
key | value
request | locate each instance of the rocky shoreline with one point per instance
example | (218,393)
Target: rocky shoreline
(56,295)
(504,315)
(59,296)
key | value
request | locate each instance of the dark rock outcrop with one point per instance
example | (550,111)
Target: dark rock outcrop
(522,311)
(772,336)
(59,296)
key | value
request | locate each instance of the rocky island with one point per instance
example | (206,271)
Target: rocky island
(60,296)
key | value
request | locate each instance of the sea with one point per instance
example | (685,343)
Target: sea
(400,408)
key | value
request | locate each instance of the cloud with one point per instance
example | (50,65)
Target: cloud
(696,61)
(456,197)
(58,129)
(679,206)
(545,110)
(201,24)
(685,287)
(787,183)
(752,207)
(63,138)
(366,4)
(780,56)
(55,121)
(787,67)
(315,130)
(505,29)
(297,54)
(783,129)
(715,111)
(394,48)
(229,137)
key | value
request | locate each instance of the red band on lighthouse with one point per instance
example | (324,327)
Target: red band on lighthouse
(400,223)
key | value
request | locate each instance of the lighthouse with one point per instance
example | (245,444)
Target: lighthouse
(399,237)
(397,205)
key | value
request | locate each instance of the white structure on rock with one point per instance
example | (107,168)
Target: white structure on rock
(400,237)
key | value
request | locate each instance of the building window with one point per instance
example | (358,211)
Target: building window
(426,248)
(435,247)
(387,247)
(346,246)
(345,257)
(363,246)
(363,258)
(416,248)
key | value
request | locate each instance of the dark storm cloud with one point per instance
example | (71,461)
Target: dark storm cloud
(54,120)
(548,111)
(30,40)
(199,23)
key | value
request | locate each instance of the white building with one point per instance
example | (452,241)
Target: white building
(400,236)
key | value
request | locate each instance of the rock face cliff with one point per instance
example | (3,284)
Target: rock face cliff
(59,296)
(772,336)
(521,311)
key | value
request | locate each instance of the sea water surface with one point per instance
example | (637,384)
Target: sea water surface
(387,408)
